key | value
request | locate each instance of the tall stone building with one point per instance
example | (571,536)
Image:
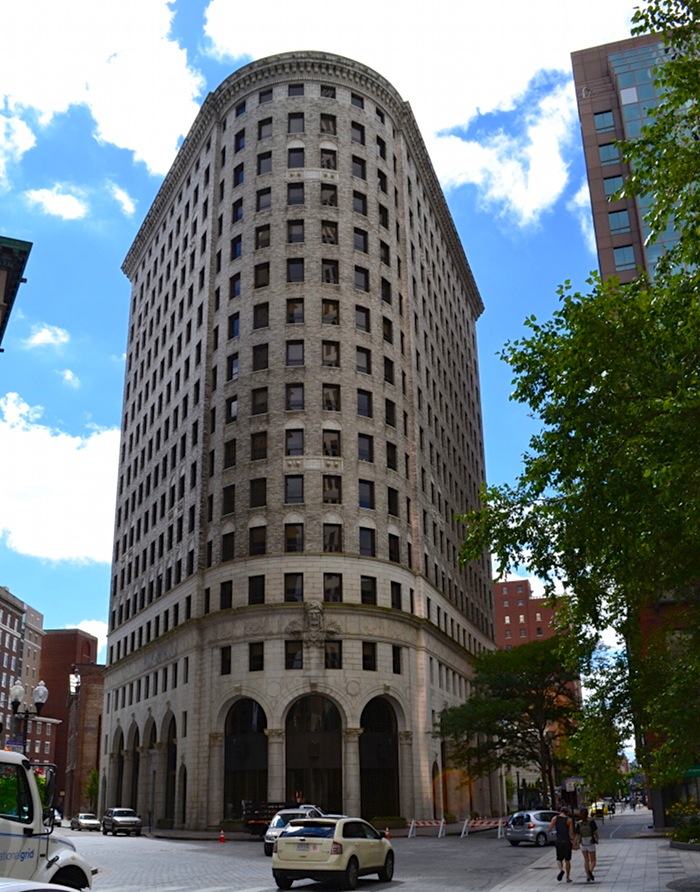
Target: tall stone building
(301,423)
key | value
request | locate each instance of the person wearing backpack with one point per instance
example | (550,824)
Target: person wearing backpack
(587,833)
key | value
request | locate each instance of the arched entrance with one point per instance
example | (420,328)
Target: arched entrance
(314,753)
(170,770)
(379,760)
(245,756)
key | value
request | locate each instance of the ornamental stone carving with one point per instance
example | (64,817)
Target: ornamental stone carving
(314,629)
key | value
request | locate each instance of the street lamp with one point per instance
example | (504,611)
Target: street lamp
(40,695)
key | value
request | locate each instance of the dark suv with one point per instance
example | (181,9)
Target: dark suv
(121,820)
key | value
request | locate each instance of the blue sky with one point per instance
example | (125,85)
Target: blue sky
(96,99)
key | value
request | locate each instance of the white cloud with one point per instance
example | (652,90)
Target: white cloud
(47,336)
(453,61)
(580,206)
(98,628)
(58,202)
(58,490)
(122,197)
(70,378)
(15,139)
(115,58)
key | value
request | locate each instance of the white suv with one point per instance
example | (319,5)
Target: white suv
(280,821)
(331,849)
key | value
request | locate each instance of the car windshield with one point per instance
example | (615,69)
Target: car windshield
(88,818)
(123,813)
(303,828)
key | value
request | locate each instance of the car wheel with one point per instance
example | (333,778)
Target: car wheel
(281,881)
(387,872)
(541,839)
(514,842)
(351,874)
(268,850)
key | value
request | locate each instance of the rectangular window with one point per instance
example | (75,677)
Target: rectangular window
(624,257)
(294,397)
(396,600)
(234,286)
(391,456)
(295,158)
(330,353)
(264,163)
(331,397)
(393,501)
(390,412)
(293,586)
(259,404)
(225,595)
(262,237)
(256,589)
(258,492)
(368,542)
(238,175)
(256,656)
(361,278)
(366,494)
(357,101)
(333,587)
(396,659)
(295,232)
(260,357)
(233,325)
(329,195)
(229,455)
(357,133)
(332,489)
(359,167)
(294,442)
(263,199)
(261,275)
(332,537)
(257,540)
(363,360)
(294,489)
(333,655)
(295,122)
(364,403)
(295,269)
(227,545)
(331,443)
(328,124)
(619,222)
(330,272)
(231,409)
(359,203)
(294,353)
(295,310)
(237,210)
(394,548)
(293,654)
(228,501)
(604,121)
(330,312)
(265,95)
(365,447)
(329,159)
(265,127)
(225,660)
(368,589)
(295,193)
(327,91)
(360,240)
(261,316)
(258,446)
(611,185)
(369,656)
(608,153)
(361,318)
(293,537)
(232,367)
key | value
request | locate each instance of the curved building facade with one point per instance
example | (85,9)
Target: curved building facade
(301,423)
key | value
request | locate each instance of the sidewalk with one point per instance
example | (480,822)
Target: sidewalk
(625,865)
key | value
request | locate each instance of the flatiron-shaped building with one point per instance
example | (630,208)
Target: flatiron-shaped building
(301,423)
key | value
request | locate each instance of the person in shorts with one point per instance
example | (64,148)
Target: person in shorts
(563,826)
(587,832)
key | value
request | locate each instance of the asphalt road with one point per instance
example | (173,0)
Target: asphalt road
(425,864)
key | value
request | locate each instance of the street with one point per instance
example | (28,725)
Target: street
(474,864)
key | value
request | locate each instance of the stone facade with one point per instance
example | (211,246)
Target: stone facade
(301,424)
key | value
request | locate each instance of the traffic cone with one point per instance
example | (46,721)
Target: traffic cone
(222,838)
(387,835)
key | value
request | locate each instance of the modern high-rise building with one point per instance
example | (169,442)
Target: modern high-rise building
(615,90)
(301,424)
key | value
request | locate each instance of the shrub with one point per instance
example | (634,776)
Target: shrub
(685,819)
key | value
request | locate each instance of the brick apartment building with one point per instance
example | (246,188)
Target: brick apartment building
(518,616)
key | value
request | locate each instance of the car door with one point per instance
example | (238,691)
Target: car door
(373,846)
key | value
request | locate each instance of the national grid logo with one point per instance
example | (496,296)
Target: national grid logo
(17,856)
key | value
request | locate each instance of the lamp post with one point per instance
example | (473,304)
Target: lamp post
(40,695)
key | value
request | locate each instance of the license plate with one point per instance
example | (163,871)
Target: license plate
(302,847)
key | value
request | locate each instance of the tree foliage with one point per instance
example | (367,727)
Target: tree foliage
(523,703)
(607,504)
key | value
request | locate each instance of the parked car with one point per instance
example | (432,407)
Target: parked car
(331,849)
(7,884)
(530,826)
(85,821)
(282,818)
(57,818)
(121,820)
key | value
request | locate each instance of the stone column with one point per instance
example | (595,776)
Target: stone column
(217,806)
(351,771)
(126,780)
(276,786)
(407,797)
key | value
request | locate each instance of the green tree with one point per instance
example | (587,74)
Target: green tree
(524,702)
(92,788)
(607,504)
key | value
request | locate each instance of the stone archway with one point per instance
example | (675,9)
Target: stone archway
(379,760)
(314,753)
(245,756)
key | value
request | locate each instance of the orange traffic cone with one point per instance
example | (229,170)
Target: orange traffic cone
(387,835)
(222,838)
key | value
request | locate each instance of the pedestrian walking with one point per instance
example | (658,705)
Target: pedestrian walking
(563,826)
(587,834)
